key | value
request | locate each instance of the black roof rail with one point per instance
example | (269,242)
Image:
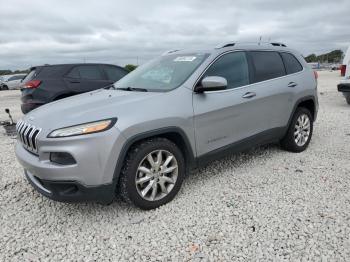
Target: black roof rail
(170,51)
(278,44)
(228,44)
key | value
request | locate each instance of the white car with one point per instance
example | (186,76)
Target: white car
(11,82)
(344,85)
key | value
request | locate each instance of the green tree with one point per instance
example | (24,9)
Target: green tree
(130,67)
(311,58)
(5,72)
(334,56)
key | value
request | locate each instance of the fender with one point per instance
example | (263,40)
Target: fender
(297,103)
(189,157)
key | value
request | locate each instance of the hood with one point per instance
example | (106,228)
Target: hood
(87,107)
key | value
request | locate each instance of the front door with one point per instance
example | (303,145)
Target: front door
(244,110)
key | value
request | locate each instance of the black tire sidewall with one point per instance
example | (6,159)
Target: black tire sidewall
(131,172)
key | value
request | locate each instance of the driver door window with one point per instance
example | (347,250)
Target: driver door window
(233,67)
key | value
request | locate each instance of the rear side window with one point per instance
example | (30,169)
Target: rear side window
(31,75)
(114,73)
(90,72)
(267,65)
(52,71)
(233,67)
(74,73)
(292,64)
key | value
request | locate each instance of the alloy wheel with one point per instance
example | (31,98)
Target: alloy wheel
(302,130)
(156,175)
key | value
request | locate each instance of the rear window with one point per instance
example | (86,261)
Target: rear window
(292,64)
(267,65)
(114,73)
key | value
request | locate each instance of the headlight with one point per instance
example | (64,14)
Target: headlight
(83,129)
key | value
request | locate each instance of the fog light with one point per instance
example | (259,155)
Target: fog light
(62,158)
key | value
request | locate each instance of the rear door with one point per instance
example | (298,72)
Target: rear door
(85,78)
(269,77)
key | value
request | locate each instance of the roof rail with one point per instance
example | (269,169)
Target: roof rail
(170,51)
(278,44)
(228,44)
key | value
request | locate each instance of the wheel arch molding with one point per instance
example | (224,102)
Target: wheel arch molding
(174,134)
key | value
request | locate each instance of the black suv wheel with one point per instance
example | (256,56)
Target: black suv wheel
(152,174)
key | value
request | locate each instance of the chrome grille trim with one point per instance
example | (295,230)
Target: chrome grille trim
(27,134)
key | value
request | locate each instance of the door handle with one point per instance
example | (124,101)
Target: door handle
(249,95)
(75,82)
(292,84)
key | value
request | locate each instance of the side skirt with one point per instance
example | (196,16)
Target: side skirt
(266,137)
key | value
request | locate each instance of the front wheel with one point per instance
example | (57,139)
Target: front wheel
(347,97)
(299,132)
(152,174)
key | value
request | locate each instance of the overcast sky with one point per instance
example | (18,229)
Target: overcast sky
(38,32)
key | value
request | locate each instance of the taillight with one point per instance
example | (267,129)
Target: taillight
(32,84)
(342,70)
(316,75)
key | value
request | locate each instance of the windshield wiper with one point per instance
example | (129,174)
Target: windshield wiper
(109,86)
(132,89)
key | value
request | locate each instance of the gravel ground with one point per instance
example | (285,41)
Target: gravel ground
(265,204)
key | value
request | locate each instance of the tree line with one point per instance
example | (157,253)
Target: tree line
(334,56)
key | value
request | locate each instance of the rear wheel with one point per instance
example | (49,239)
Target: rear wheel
(299,132)
(152,174)
(5,88)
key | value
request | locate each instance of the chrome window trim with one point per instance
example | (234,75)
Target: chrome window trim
(252,84)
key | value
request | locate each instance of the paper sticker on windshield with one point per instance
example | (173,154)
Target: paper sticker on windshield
(185,58)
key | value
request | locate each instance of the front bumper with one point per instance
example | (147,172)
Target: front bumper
(71,191)
(91,177)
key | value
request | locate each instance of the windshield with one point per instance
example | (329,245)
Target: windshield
(162,74)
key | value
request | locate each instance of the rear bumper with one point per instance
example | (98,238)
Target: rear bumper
(71,191)
(27,107)
(31,99)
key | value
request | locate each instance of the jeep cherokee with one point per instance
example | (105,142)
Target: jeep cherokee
(139,137)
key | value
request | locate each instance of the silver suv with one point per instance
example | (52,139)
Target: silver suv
(139,137)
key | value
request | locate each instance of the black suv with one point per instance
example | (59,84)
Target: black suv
(48,83)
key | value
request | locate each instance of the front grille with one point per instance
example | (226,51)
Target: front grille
(28,134)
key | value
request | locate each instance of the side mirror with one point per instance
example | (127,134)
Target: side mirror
(211,83)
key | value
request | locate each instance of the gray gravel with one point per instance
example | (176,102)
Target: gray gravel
(264,204)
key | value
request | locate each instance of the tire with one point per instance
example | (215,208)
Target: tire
(154,179)
(5,88)
(348,99)
(289,142)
